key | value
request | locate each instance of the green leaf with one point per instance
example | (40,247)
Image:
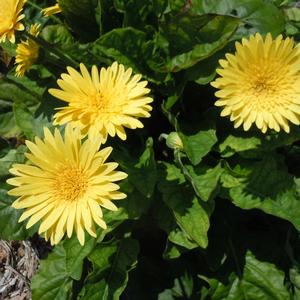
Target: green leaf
(138,13)
(81,17)
(75,254)
(8,126)
(28,122)
(205,71)
(182,288)
(268,187)
(137,168)
(190,214)
(13,89)
(260,280)
(53,281)
(135,204)
(111,263)
(293,13)
(234,144)
(262,16)
(12,157)
(125,45)
(58,35)
(206,180)
(198,145)
(263,279)
(180,238)
(10,228)
(193,44)
(24,97)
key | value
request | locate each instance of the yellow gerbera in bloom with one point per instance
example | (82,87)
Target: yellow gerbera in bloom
(55,9)
(104,102)
(10,17)
(65,185)
(27,52)
(261,83)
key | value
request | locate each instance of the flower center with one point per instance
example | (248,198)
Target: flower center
(99,102)
(266,86)
(70,184)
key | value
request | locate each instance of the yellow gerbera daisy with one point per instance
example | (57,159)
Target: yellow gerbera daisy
(10,17)
(65,185)
(27,52)
(55,9)
(104,102)
(261,83)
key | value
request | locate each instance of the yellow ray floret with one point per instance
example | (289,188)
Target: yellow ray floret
(55,9)
(10,19)
(27,52)
(103,102)
(65,185)
(260,83)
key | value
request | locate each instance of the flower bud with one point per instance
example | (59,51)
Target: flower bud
(174,141)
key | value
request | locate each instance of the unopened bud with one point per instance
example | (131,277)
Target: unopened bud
(174,141)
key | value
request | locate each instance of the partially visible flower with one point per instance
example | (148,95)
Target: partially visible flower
(65,185)
(104,102)
(260,83)
(27,52)
(10,17)
(55,9)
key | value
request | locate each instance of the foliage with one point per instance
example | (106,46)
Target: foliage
(216,219)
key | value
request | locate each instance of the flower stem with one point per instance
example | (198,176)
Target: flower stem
(50,48)
(186,172)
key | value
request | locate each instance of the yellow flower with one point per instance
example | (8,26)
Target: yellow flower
(65,185)
(10,17)
(261,83)
(104,102)
(55,9)
(27,52)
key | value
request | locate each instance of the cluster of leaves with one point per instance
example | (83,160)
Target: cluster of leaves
(217,220)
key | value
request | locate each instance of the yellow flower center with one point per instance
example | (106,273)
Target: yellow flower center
(265,87)
(99,102)
(70,184)
(106,102)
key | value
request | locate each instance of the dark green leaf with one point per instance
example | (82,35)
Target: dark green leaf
(194,44)
(81,17)
(137,168)
(10,228)
(8,127)
(111,263)
(52,280)
(189,213)
(234,144)
(54,277)
(262,16)
(125,45)
(198,145)
(13,156)
(260,280)
(267,186)
(206,180)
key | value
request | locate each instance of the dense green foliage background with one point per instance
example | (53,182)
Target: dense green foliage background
(218,220)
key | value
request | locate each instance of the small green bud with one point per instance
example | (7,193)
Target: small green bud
(174,141)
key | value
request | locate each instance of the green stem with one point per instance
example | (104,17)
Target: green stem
(50,48)
(186,172)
